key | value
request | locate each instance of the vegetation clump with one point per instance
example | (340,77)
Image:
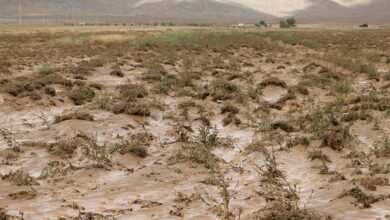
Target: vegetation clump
(97,154)
(370,183)
(336,138)
(361,197)
(382,149)
(272,81)
(136,144)
(318,154)
(74,116)
(200,148)
(50,91)
(222,90)
(81,95)
(131,92)
(279,210)
(21,178)
(282,125)
(131,108)
(117,72)
(231,118)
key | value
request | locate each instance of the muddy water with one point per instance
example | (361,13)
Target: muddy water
(273,93)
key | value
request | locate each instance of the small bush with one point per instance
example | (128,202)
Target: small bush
(272,81)
(336,138)
(79,83)
(73,116)
(81,95)
(155,72)
(300,88)
(130,92)
(360,196)
(34,95)
(283,125)
(117,72)
(98,154)
(223,90)
(231,118)
(50,91)
(97,86)
(47,69)
(281,210)
(21,178)
(229,108)
(382,149)
(370,183)
(131,108)
(200,148)
(137,144)
(317,154)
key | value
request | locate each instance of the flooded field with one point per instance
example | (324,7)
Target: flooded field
(195,124)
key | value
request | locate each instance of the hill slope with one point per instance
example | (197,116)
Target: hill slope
(207,10)
(328,11)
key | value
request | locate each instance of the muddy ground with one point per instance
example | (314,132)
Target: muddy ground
(191,124)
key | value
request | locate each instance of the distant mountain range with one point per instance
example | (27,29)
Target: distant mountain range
(225,11)
(377,11)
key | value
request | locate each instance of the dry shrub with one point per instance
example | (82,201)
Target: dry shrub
(79,83)
(117,72)
(299,88)
(337,137)
(200,148)
(131,108)
(50,91)
(231,118)
(382,149)
(23,195)
(136,144)
(318,154)
(23,85)
(81,95)
(64,148)
(5,216)
(279,104)
(155,72)
(73,116)
(285,126)
(55,168)
(302,140)
(272,81)
(97,154)
(20,178)
(130,92)
(361,197)
(278,210)
(93,216)
(257,146)
(370,183)
(229,108)
(380,169)
(97,86)
(223,90)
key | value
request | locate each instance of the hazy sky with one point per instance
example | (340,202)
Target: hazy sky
(278,7)
(284,7)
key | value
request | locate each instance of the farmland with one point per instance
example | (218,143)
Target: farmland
(194,123)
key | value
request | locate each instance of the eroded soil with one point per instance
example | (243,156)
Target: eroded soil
(94,129)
